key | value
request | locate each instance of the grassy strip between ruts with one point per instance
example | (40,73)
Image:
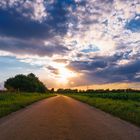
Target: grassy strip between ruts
(10,102)
(128,110)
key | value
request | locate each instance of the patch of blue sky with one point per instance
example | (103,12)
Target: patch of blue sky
(91,48)
(10,66)
(12,62)
(134,24)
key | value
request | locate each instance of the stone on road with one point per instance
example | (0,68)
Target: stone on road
(63,118)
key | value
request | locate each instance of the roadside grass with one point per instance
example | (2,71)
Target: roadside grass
(10,102)
(123,105)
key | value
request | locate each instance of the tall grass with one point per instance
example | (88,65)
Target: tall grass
(10,102)
(123,105)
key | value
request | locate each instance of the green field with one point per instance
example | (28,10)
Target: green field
(124,105)
(10,102)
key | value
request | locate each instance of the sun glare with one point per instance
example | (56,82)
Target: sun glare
(65,74)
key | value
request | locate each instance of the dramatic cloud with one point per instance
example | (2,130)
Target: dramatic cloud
(34,10)
(79,42)
(33,47)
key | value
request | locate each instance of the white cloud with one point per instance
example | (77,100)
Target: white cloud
(38,9)
(102,24)
(35,10)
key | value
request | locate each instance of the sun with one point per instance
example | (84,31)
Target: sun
(65,74)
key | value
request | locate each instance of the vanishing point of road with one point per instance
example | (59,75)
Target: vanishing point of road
(63,118)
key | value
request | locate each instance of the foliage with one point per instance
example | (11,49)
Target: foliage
(66,91)
(23,83)
(116,96)
(93,91)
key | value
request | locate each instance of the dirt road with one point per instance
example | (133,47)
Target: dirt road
(63,118)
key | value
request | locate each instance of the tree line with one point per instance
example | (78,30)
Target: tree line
(31,83)
(92,91)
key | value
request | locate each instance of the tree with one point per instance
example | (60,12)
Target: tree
(29,83)
(52,90)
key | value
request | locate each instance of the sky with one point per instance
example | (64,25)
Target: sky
(71,43)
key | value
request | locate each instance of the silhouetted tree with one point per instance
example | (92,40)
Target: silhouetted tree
(52,90)
(29,83)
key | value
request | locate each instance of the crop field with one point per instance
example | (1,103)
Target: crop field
(123,105)
(10,102)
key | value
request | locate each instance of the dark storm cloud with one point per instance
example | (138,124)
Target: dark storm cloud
(124,73)
(97,62)
(87,65)
(18,19)
(53,70)
(12,25)
(107,69)
(31,47)
(25,35)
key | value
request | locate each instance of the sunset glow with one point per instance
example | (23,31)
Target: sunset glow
(63,74)
(71,43)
